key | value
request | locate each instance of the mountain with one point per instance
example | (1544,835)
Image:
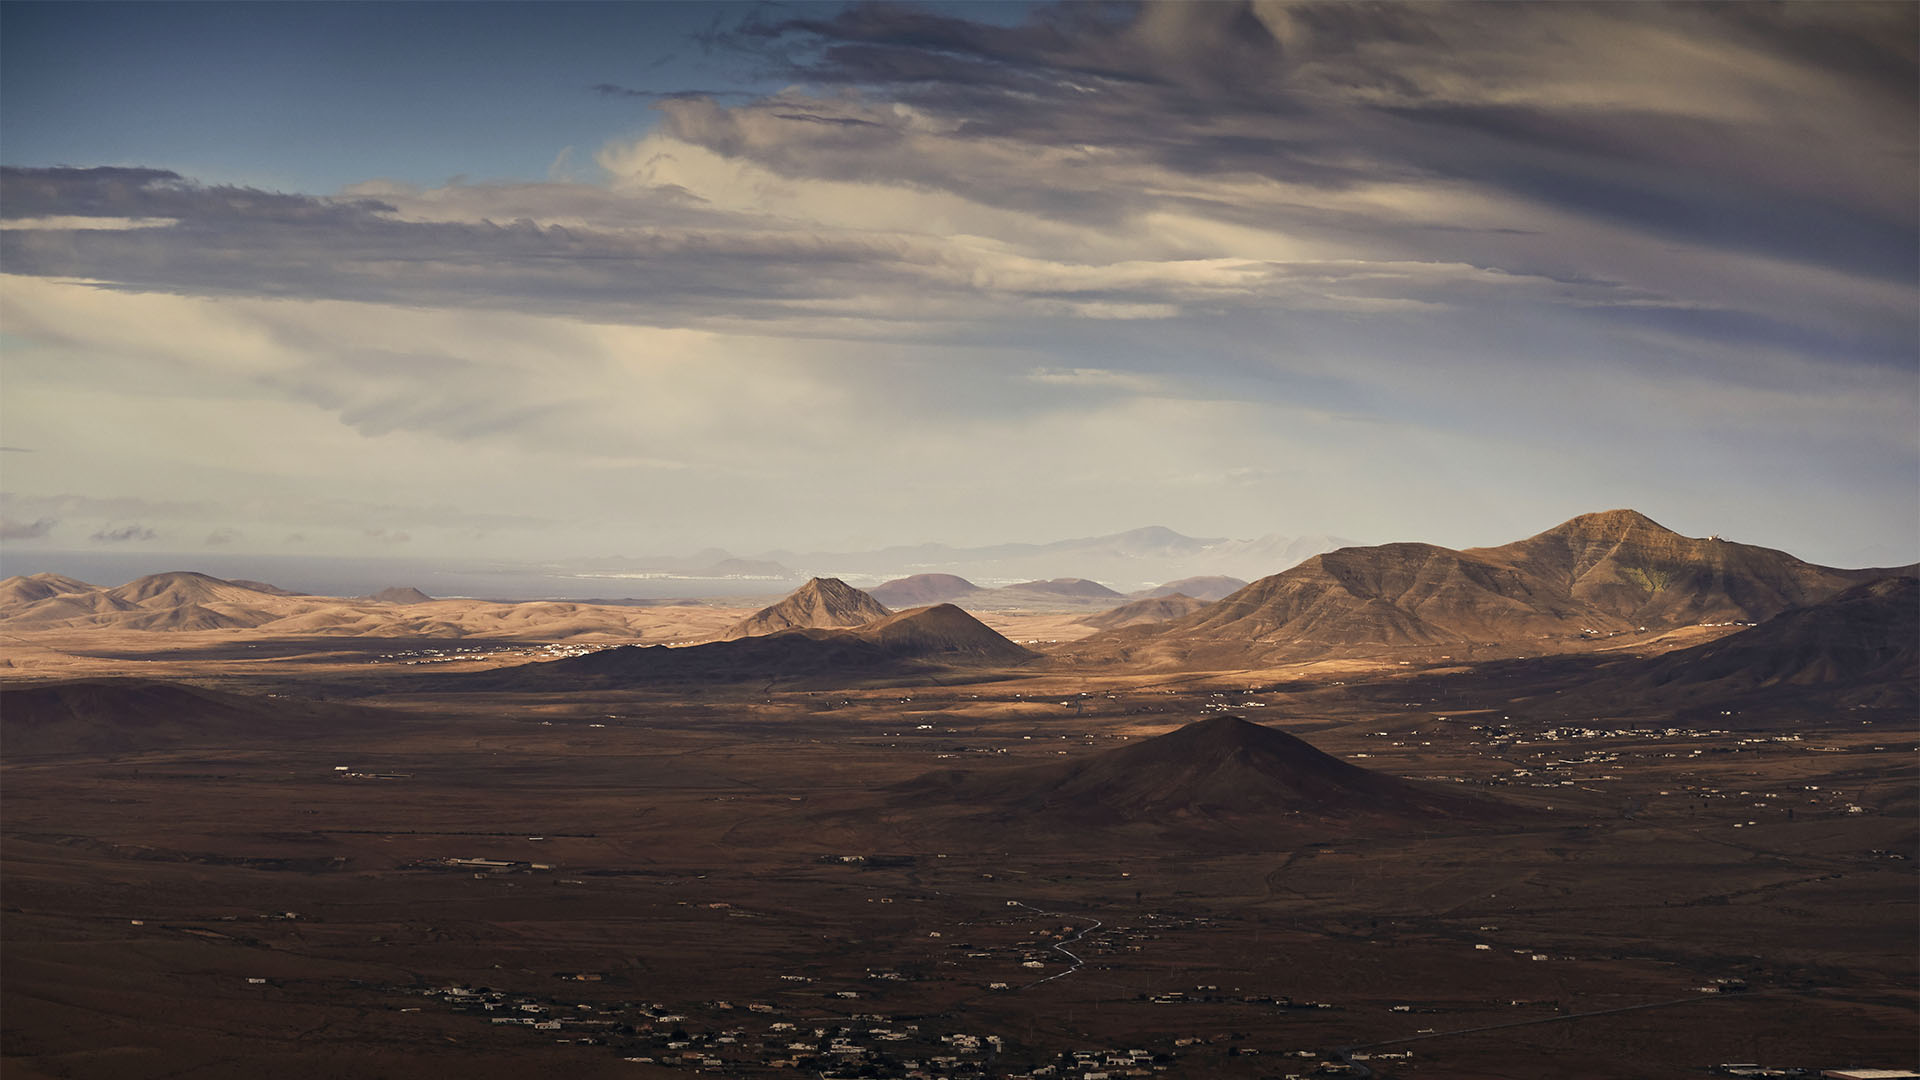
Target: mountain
(822,603)
(1598,573)
(1625,565)
(399,594)
(1134,558)
(263,587)
(944,633)
(128,715)
(1222,767)
(917,589)
(183,601)
(1209,588)
(1152,610)
(181,587)
(1076,588)
(1861,646)
(907,642)
(36,587)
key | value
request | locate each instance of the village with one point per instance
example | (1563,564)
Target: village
(762,1038)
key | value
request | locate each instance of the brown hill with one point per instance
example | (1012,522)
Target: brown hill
(1141,612)
(919,589)
(183,601)
(911,641)
(261,586)
(1610,572)
(127,715)
(1222,767)
(399,594)
(1209,588)
(36,587)
(1625,565)
(178,588)
(942,632)
(822,603)
(1861,646)
(1077,588)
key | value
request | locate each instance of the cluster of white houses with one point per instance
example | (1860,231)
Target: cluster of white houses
(755,1039)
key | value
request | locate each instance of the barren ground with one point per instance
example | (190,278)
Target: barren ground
(726,859)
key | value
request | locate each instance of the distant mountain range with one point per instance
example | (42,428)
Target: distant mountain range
(1127,561)
(182,600)
(1067,593)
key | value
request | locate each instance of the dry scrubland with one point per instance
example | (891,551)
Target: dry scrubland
(1642,854)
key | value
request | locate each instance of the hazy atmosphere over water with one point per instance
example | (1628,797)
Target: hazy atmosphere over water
(535,282)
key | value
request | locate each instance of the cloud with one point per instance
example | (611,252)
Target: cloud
(387,536)
(134,533)
(1096,233)
(615,90)
(146,194)
(931,177)
(26,530)
(67,222)
(222,536)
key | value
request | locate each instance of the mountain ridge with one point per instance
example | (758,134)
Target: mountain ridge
(1611,572)
(914,641)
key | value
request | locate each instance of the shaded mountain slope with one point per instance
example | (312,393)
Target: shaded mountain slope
(911,641)
(822,603)
(1861,646)
(126,715)
(1220,767)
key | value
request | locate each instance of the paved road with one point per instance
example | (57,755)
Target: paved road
(1062,946)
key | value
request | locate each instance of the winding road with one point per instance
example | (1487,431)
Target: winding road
(1061,947)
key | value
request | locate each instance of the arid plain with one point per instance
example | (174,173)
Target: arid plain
(1603,802)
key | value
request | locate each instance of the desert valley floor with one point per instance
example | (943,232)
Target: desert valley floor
(236,852)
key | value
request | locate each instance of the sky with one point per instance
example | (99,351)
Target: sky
(533,282)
